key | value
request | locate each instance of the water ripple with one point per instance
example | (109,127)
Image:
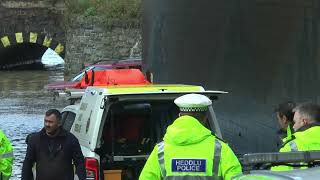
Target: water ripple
(23,102)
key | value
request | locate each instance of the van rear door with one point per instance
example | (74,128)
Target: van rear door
(87,122)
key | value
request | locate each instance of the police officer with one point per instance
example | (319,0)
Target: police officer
(307,131)
(189,149)
(284,113)
(6,157)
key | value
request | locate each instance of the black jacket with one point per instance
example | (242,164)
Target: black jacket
(53,157)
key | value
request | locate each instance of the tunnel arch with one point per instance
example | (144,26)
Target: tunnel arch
(33,38)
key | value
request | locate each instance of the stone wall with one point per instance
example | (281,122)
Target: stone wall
(28,27)
(42,17)
(89,40)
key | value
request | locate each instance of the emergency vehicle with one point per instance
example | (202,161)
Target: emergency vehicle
(118,126)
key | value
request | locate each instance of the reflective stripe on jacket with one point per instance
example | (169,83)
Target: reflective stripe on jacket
(190,151)
(6,156)
(306,139)
(215,165)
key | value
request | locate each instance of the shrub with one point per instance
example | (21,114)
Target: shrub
(119,11)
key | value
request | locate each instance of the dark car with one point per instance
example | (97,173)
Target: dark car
(100,65)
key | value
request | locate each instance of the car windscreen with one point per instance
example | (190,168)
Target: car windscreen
(79,76)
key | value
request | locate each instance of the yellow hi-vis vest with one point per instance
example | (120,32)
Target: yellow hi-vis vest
(189,167)
(190,151)
(303,140)
(6,157)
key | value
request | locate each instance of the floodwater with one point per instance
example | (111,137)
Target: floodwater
(23,102)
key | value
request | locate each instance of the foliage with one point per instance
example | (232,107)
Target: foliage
(111,11)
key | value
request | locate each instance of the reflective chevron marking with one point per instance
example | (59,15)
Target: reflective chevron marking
(47,41)
(33,37)
(59,49)
(19,37)
(5,41)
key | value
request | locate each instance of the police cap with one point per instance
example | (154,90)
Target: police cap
(193,103)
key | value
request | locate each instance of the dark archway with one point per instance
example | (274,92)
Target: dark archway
(22,56)
(24,50)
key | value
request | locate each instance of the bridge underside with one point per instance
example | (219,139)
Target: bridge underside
(22,56)
(262,51)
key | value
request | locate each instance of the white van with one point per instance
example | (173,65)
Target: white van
(118,126)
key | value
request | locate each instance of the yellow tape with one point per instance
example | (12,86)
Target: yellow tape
(47,41)
(5,41)
(19,37)
(33,37)
(152,88)
(59,49)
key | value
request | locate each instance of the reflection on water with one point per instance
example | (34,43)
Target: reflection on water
(23,102)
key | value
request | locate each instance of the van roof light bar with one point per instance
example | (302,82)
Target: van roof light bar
(284,157)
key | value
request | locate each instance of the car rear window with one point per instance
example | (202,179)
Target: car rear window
(67,120)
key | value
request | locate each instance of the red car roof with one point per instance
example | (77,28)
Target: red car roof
(102,65)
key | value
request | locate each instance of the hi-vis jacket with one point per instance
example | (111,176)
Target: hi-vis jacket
(305,139)
(6,157)
(289,135)
(190,151)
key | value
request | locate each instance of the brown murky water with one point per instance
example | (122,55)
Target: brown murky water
(23,102)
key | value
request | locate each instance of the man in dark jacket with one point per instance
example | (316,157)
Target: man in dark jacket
(53,149)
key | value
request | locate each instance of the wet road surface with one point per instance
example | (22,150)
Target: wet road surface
(23,102)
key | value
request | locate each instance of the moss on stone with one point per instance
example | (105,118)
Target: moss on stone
(112,12)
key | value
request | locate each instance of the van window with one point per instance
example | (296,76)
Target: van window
(67,120)
(132,129)
(125,128)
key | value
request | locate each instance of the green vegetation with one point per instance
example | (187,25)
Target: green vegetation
(110,11)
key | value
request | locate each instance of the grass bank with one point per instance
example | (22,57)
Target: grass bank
(111,12)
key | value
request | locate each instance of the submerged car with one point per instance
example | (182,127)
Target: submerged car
(52,61)
(100,65)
